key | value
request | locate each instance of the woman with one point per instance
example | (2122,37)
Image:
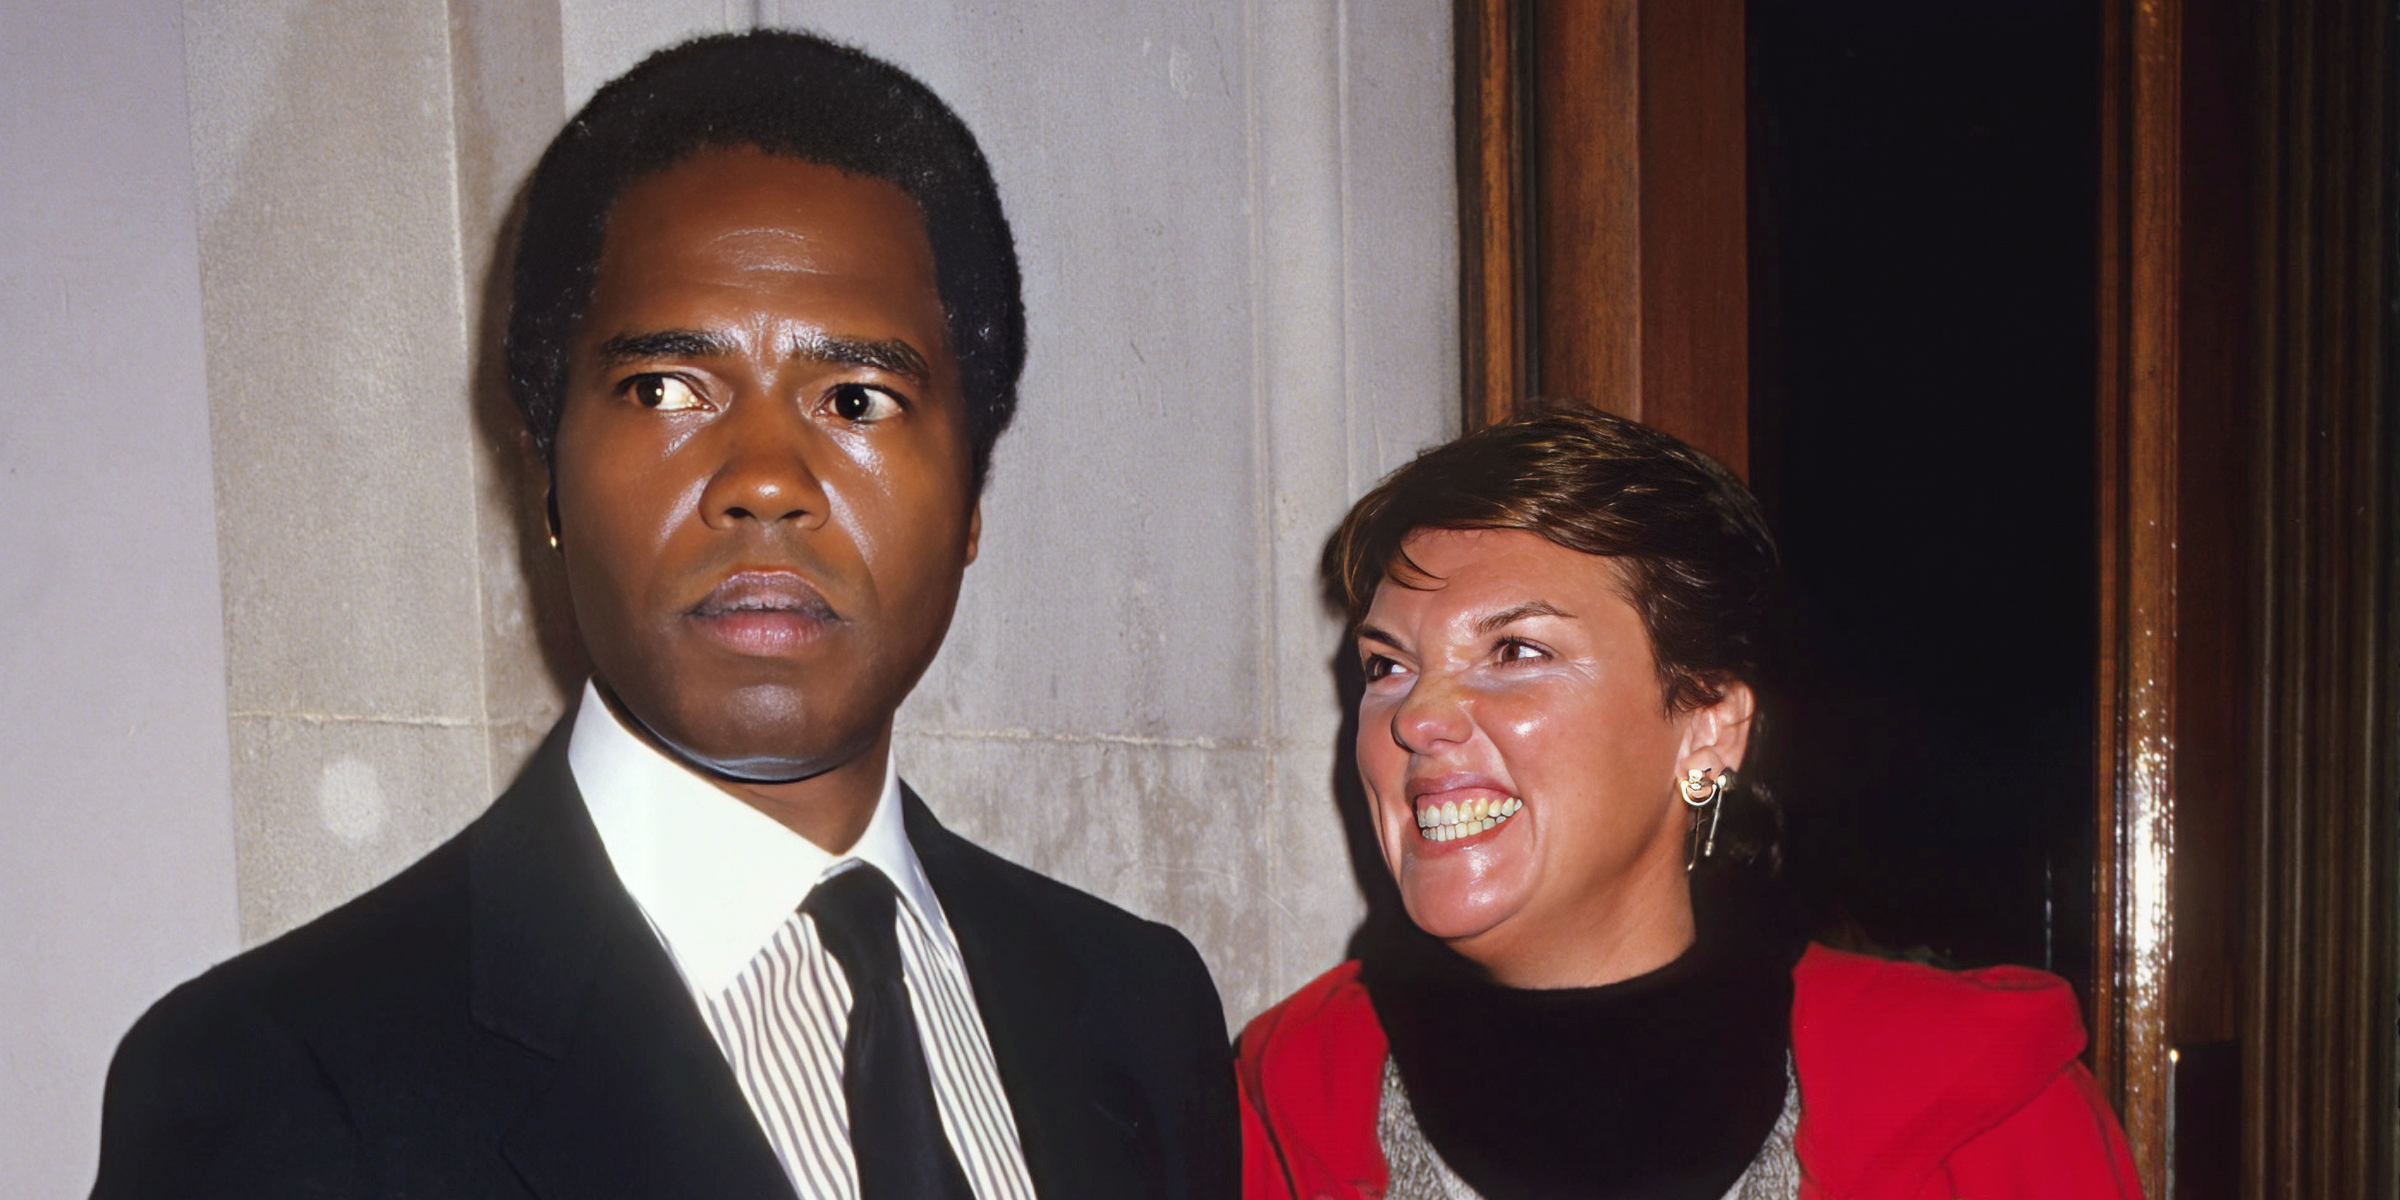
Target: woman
(1558,621)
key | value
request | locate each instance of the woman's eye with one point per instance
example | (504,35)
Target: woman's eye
(1513,650)
(863,404)
(664,393)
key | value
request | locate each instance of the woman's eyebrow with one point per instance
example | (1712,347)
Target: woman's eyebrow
(1518,612)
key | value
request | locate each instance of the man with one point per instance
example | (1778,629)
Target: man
(766,329)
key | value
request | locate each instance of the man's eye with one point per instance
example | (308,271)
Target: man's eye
(664,393)
(863,404)
(1378,667)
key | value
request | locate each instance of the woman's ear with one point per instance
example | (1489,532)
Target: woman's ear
(1716,735)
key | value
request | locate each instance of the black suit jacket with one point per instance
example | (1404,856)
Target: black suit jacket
(499,1020)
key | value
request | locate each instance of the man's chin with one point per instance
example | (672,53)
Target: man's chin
(737,757)
(754,769)
(743,763)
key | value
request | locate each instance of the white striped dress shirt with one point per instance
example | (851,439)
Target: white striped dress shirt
(721,884)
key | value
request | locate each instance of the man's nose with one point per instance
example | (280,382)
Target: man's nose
(768,472)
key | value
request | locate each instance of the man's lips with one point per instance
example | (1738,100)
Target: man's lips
(763,612)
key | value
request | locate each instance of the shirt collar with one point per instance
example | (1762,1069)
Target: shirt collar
(717,877)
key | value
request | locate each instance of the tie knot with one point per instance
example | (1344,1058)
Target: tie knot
(854,912)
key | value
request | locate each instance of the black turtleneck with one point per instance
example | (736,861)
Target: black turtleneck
(1660,1086)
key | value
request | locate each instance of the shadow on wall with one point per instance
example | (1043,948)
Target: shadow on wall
(1386,920)
(516,471)
(1385,932)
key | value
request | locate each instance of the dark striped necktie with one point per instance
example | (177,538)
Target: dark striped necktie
(895,1131)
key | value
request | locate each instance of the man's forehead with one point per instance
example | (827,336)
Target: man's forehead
(750,212)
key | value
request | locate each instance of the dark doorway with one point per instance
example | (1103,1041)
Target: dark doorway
(1923,183)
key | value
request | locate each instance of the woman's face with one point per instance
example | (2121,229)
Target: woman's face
(1518,682)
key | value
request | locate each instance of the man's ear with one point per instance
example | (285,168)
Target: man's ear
(1715,736)
(974,531)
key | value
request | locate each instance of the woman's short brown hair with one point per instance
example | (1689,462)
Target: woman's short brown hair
(1698,563)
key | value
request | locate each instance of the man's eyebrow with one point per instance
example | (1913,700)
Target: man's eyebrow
(663,343)
(892,356)
(1369,633)
(1514,613)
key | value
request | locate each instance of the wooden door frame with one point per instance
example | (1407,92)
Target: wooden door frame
(2136,395)
(2245,793)
(2246,790)
(1604,213)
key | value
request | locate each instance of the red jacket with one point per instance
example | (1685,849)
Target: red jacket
(1915,1084)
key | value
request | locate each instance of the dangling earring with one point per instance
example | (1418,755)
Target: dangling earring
(1701,790)
(550,516)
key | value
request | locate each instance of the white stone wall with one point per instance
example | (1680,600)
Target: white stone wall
(116,826)
(1238,230)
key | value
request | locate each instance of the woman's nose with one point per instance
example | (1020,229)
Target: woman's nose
(768,473)
(1433,714)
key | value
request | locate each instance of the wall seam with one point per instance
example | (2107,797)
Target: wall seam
(1343,68)
(1267,683)
(216,482)
(467,327)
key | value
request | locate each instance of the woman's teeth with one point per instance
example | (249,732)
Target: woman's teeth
(1450,820)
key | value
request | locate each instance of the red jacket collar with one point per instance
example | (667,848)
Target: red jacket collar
(1899,1065)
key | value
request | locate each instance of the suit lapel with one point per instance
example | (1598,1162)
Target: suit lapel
(642,1103)
(1086,1128)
